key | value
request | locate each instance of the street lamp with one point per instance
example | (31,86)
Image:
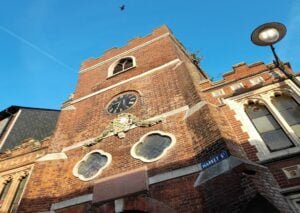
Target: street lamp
(269,34)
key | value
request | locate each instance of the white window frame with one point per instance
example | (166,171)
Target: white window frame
(218,93)
(114,64)
(81,177)
(256,81)
(15,176)
(134,155)
(285,126)
(264,95)
(237,86)
(292,200)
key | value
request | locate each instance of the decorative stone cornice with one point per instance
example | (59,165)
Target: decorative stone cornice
(16,179)
(34,144)
(280,91)
(148,72)
(6,179)
(120,125)
(30,143)
(53,156)
(257,99)
(20,175)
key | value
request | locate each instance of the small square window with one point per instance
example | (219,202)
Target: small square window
(256,81)
(236,87)
(218,93)
(276,75)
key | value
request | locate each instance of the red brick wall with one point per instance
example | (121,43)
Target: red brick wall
(182,154)
(179,194)
(199,136)
(276,169)
(232,191)
(85,207)
(159,92)
(131,44)
(212,133)
(242,74)
(147,58)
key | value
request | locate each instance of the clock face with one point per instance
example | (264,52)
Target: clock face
(121,103)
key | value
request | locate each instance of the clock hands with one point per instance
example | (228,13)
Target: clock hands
(122,103)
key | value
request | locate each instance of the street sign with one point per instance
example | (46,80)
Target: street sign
(215,159)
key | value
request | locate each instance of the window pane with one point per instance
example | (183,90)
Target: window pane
(290,111)
(255,111)
(128,64)
(92,165)
(18,194)
(123,60)
(153,146)
(276,140)
(292,116)
(269,129)
(118,68)
(265,124)
(284,102)
(123,64)
(4,191)
(296,129)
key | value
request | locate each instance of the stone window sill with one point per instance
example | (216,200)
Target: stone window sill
(278,155)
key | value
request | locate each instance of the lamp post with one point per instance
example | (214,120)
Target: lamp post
(269,34)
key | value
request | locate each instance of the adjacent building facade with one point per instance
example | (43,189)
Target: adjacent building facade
(147,131)
(24,134)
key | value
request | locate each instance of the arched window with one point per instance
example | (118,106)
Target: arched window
(121,65)
(268,128)
(289,110)
(4,191)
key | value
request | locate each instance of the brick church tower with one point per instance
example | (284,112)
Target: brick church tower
(146,131)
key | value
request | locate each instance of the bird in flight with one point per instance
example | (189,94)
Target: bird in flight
(122,7)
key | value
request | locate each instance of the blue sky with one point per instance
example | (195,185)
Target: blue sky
(43,42)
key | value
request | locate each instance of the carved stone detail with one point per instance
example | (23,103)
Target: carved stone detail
(32,143)
(257,99)
(6,179)
(23,174)
(292,171)
(281,91)
(121,124)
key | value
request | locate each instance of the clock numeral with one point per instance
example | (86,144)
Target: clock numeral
(115,110)
(122,103)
